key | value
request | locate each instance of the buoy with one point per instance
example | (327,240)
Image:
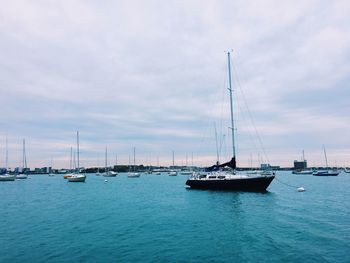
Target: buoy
(106,180)
(301,189)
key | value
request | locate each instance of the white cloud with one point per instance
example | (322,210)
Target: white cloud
(151,74)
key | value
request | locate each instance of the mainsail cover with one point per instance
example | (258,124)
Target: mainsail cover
(216,167)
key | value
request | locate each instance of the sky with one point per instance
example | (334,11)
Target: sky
(153,75)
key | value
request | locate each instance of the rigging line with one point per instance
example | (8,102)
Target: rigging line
(281,182)
(249,113)
(244,117)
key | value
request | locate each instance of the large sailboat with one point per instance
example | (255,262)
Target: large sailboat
(7,176)
(219,179)
(77,176)
(326,172)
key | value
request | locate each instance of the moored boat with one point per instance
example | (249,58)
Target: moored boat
(172,173)
(108,173)
(7,177)
(326,172)
(22,175)
(133,174)
(217,179)
(303,172)
(77,177)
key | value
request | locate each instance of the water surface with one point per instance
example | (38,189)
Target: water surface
(154,218)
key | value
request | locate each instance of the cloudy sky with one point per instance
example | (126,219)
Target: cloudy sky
(152,74)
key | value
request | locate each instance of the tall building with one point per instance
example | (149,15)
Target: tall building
(300,165)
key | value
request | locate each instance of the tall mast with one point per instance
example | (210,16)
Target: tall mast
(217,147)
(70,162)
(78,150)
(325,156)
(7,154)
(106,159)
(23,153)
(173,159)
(231,104)
(134,159)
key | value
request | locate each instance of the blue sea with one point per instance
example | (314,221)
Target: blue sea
(154,218)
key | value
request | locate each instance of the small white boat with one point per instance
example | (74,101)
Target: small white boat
(21,176)
(7,177)
(133,175)
(109,174)
(173,173)
(77,178)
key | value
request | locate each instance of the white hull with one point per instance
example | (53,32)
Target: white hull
(7,177)
(110,174)
(21,176)
(173,174)
(77,178)
(133,175)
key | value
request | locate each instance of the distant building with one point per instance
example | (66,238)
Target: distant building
(300,165)
(265,166)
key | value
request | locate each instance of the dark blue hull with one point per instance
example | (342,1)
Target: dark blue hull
(253,184)
(326,174)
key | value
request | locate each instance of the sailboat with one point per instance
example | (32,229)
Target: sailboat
(77,176)
(7,176)
(303,171)
(51,173)
(173,172)
(106,172)
(217,179)
(22,175)
(326,172)
(69,174)
(134,174)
